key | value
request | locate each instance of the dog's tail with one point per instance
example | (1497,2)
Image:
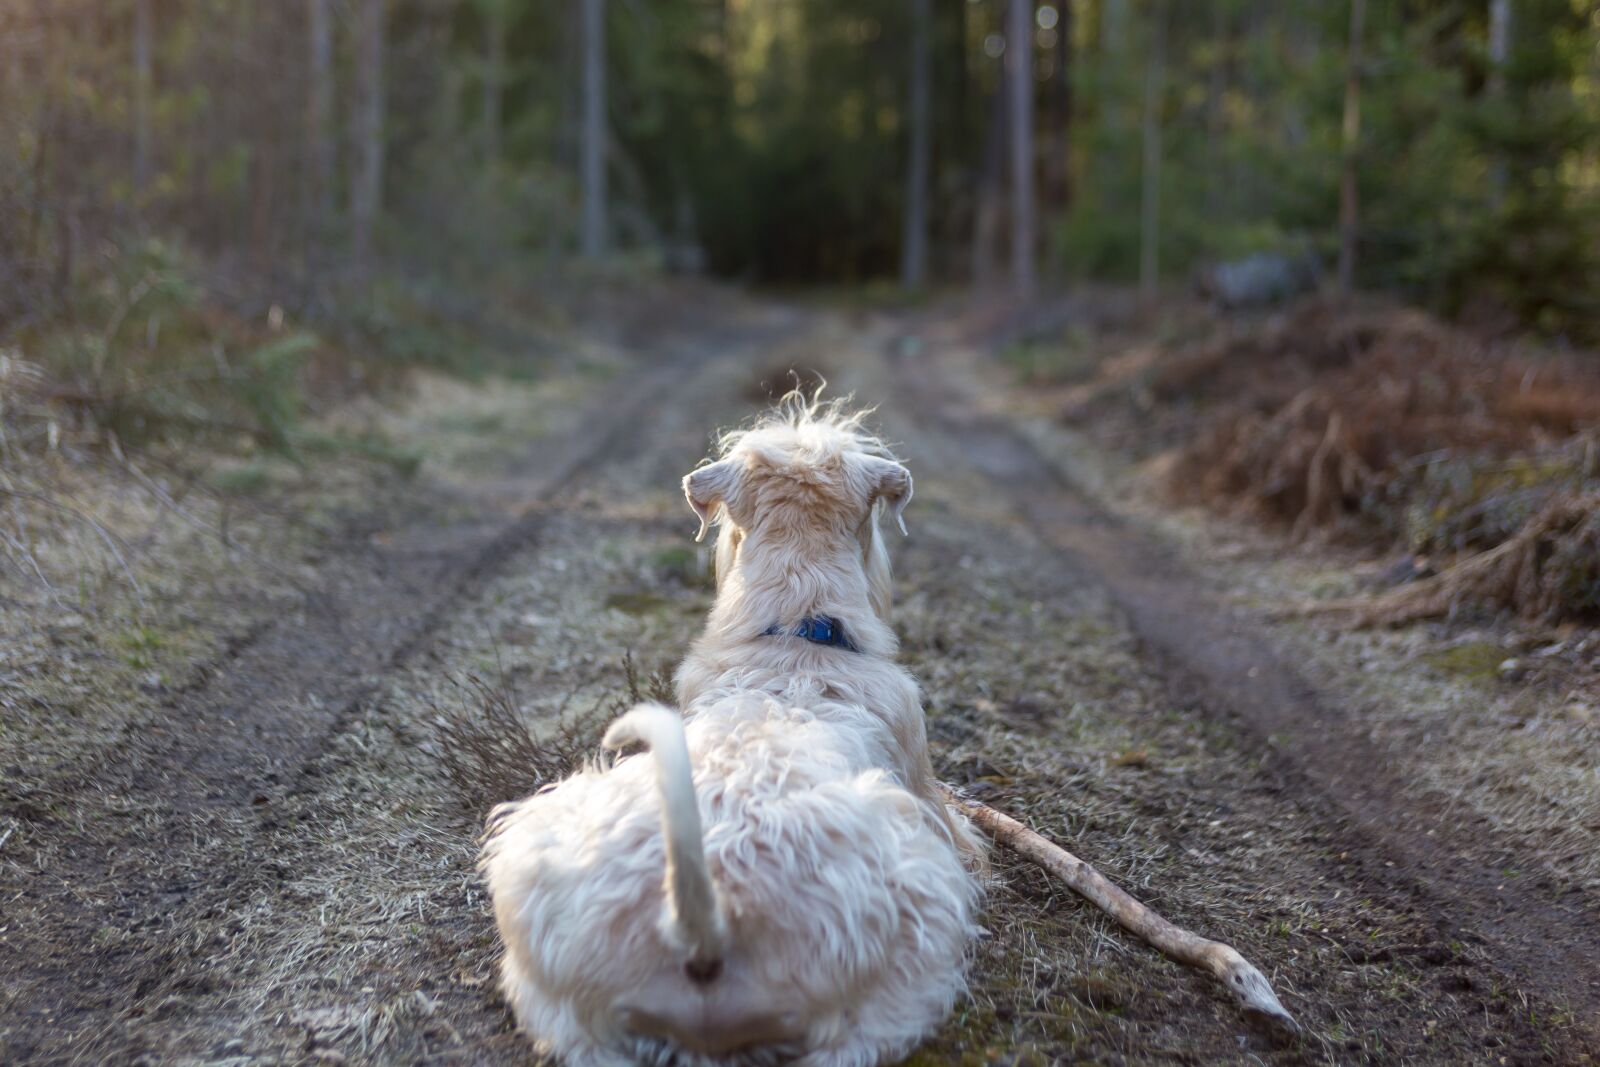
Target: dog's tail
(694,912)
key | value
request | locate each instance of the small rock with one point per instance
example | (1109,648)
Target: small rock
(1511,670)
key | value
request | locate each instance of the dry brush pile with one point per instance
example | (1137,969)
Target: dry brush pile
(1385,426)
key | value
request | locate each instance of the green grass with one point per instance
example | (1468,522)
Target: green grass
(1038,362)
(1475,661)
(245,480)
(405,461)
(141,643)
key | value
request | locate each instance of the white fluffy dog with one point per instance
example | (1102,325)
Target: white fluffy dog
(776,880)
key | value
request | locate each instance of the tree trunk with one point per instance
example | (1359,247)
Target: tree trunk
(319,113)
(1113,25)
(1216,112)
(367,193)
(914,243)
(1058,145)
(986,210)
(1499,44)
(142,83)
(1349,209)
(494,74)
(1113,47)
(1499,53)
(1019,84)
(1150,186)
(594,129)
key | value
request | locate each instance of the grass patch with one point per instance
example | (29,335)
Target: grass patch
(686,566)
(141,643)
(638,602)
(1474,661)
(375,447)
(1071,359)
(246,479)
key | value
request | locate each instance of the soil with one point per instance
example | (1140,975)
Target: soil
(259,859)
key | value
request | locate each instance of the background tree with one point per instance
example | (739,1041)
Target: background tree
(594,128)
(914,253)
(1349,205)
(495,15)
(798,141)
(143,76)
(1020,92)
(1150,163)
(319,114)
(366,191)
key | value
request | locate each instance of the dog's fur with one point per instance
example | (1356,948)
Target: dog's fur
(777,880)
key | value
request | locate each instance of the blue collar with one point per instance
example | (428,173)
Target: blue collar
(818,629)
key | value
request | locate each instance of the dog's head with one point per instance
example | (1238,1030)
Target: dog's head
(807,477)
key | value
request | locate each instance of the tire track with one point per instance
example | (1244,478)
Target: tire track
(203,781)
(1219,661)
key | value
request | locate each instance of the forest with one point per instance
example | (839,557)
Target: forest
(357,358)
(810,142)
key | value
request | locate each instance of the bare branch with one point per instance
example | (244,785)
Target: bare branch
(1243,980)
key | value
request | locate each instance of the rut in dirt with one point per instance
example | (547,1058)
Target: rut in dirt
(1221,662)
(240,739)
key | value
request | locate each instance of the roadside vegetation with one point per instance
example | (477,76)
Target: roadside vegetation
(1473,461)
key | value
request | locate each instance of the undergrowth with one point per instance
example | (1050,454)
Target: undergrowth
(148,356)
(1374,425)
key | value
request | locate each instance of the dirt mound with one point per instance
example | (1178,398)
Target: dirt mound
(1385,425)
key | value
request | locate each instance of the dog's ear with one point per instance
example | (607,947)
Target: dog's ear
(891,483)
(708,488)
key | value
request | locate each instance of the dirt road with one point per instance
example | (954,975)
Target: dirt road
(263,863)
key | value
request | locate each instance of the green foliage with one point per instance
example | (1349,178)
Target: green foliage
(269,387)
(1470,197)
(379,449)
(774,136)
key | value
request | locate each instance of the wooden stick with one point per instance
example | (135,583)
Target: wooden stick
(1241,977)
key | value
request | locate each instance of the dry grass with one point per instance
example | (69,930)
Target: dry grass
(1549,568)
(1375,425)
(489,751)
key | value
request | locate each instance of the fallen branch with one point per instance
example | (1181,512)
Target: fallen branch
(1241,977)
(1517,574)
